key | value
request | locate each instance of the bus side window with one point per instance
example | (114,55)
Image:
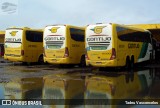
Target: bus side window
(77,34)
(34,36)
(136,37)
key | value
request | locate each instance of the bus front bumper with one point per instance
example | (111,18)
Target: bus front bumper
(109,63)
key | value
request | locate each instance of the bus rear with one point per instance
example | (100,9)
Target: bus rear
(13,44)
(100,45)
(2,33)
(55,49)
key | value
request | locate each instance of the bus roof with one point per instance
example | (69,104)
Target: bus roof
(24,28)
(146,26)
(66,25)
(99,24)
(122,25)
(57,25)
(134,28)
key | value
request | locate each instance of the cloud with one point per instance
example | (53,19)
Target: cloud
(39,13)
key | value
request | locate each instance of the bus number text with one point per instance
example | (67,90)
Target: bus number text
(133,45)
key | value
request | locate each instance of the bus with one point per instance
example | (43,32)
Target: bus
(2,34)
(24,45)
(64,44)
(114,45)
(155,31)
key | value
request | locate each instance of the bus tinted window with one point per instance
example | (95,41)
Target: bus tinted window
(77,34)
(134,36)
(34,36)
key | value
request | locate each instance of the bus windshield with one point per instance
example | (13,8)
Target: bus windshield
(54,37)
(13,38)
(99,37)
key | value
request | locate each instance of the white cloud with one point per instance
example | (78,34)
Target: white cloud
(38,13)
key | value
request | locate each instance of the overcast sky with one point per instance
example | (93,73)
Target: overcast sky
(39,13)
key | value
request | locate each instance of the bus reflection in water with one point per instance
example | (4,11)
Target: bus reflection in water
(24,88)
(61,87)
(116,86)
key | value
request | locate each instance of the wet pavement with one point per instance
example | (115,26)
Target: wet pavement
(75,87)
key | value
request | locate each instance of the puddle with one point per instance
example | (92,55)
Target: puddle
(55,83)
(30,70)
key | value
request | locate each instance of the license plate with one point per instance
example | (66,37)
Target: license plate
(54,60)
(98,62)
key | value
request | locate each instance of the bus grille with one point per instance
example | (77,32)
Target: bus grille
(54,42)
(98,43)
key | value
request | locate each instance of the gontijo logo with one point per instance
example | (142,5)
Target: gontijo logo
(13,33)
(54,29)
(98,29)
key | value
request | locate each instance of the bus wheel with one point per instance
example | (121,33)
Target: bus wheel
(40,60)
(83,61)
(132,62)
(128,63)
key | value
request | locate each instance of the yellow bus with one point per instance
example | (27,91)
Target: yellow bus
(24,45)
(155,31)
(2,33)
(64,44)
(112,45)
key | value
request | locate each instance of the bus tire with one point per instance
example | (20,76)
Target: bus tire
(83,61)
(40,60)
(128,63)
(132,62)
